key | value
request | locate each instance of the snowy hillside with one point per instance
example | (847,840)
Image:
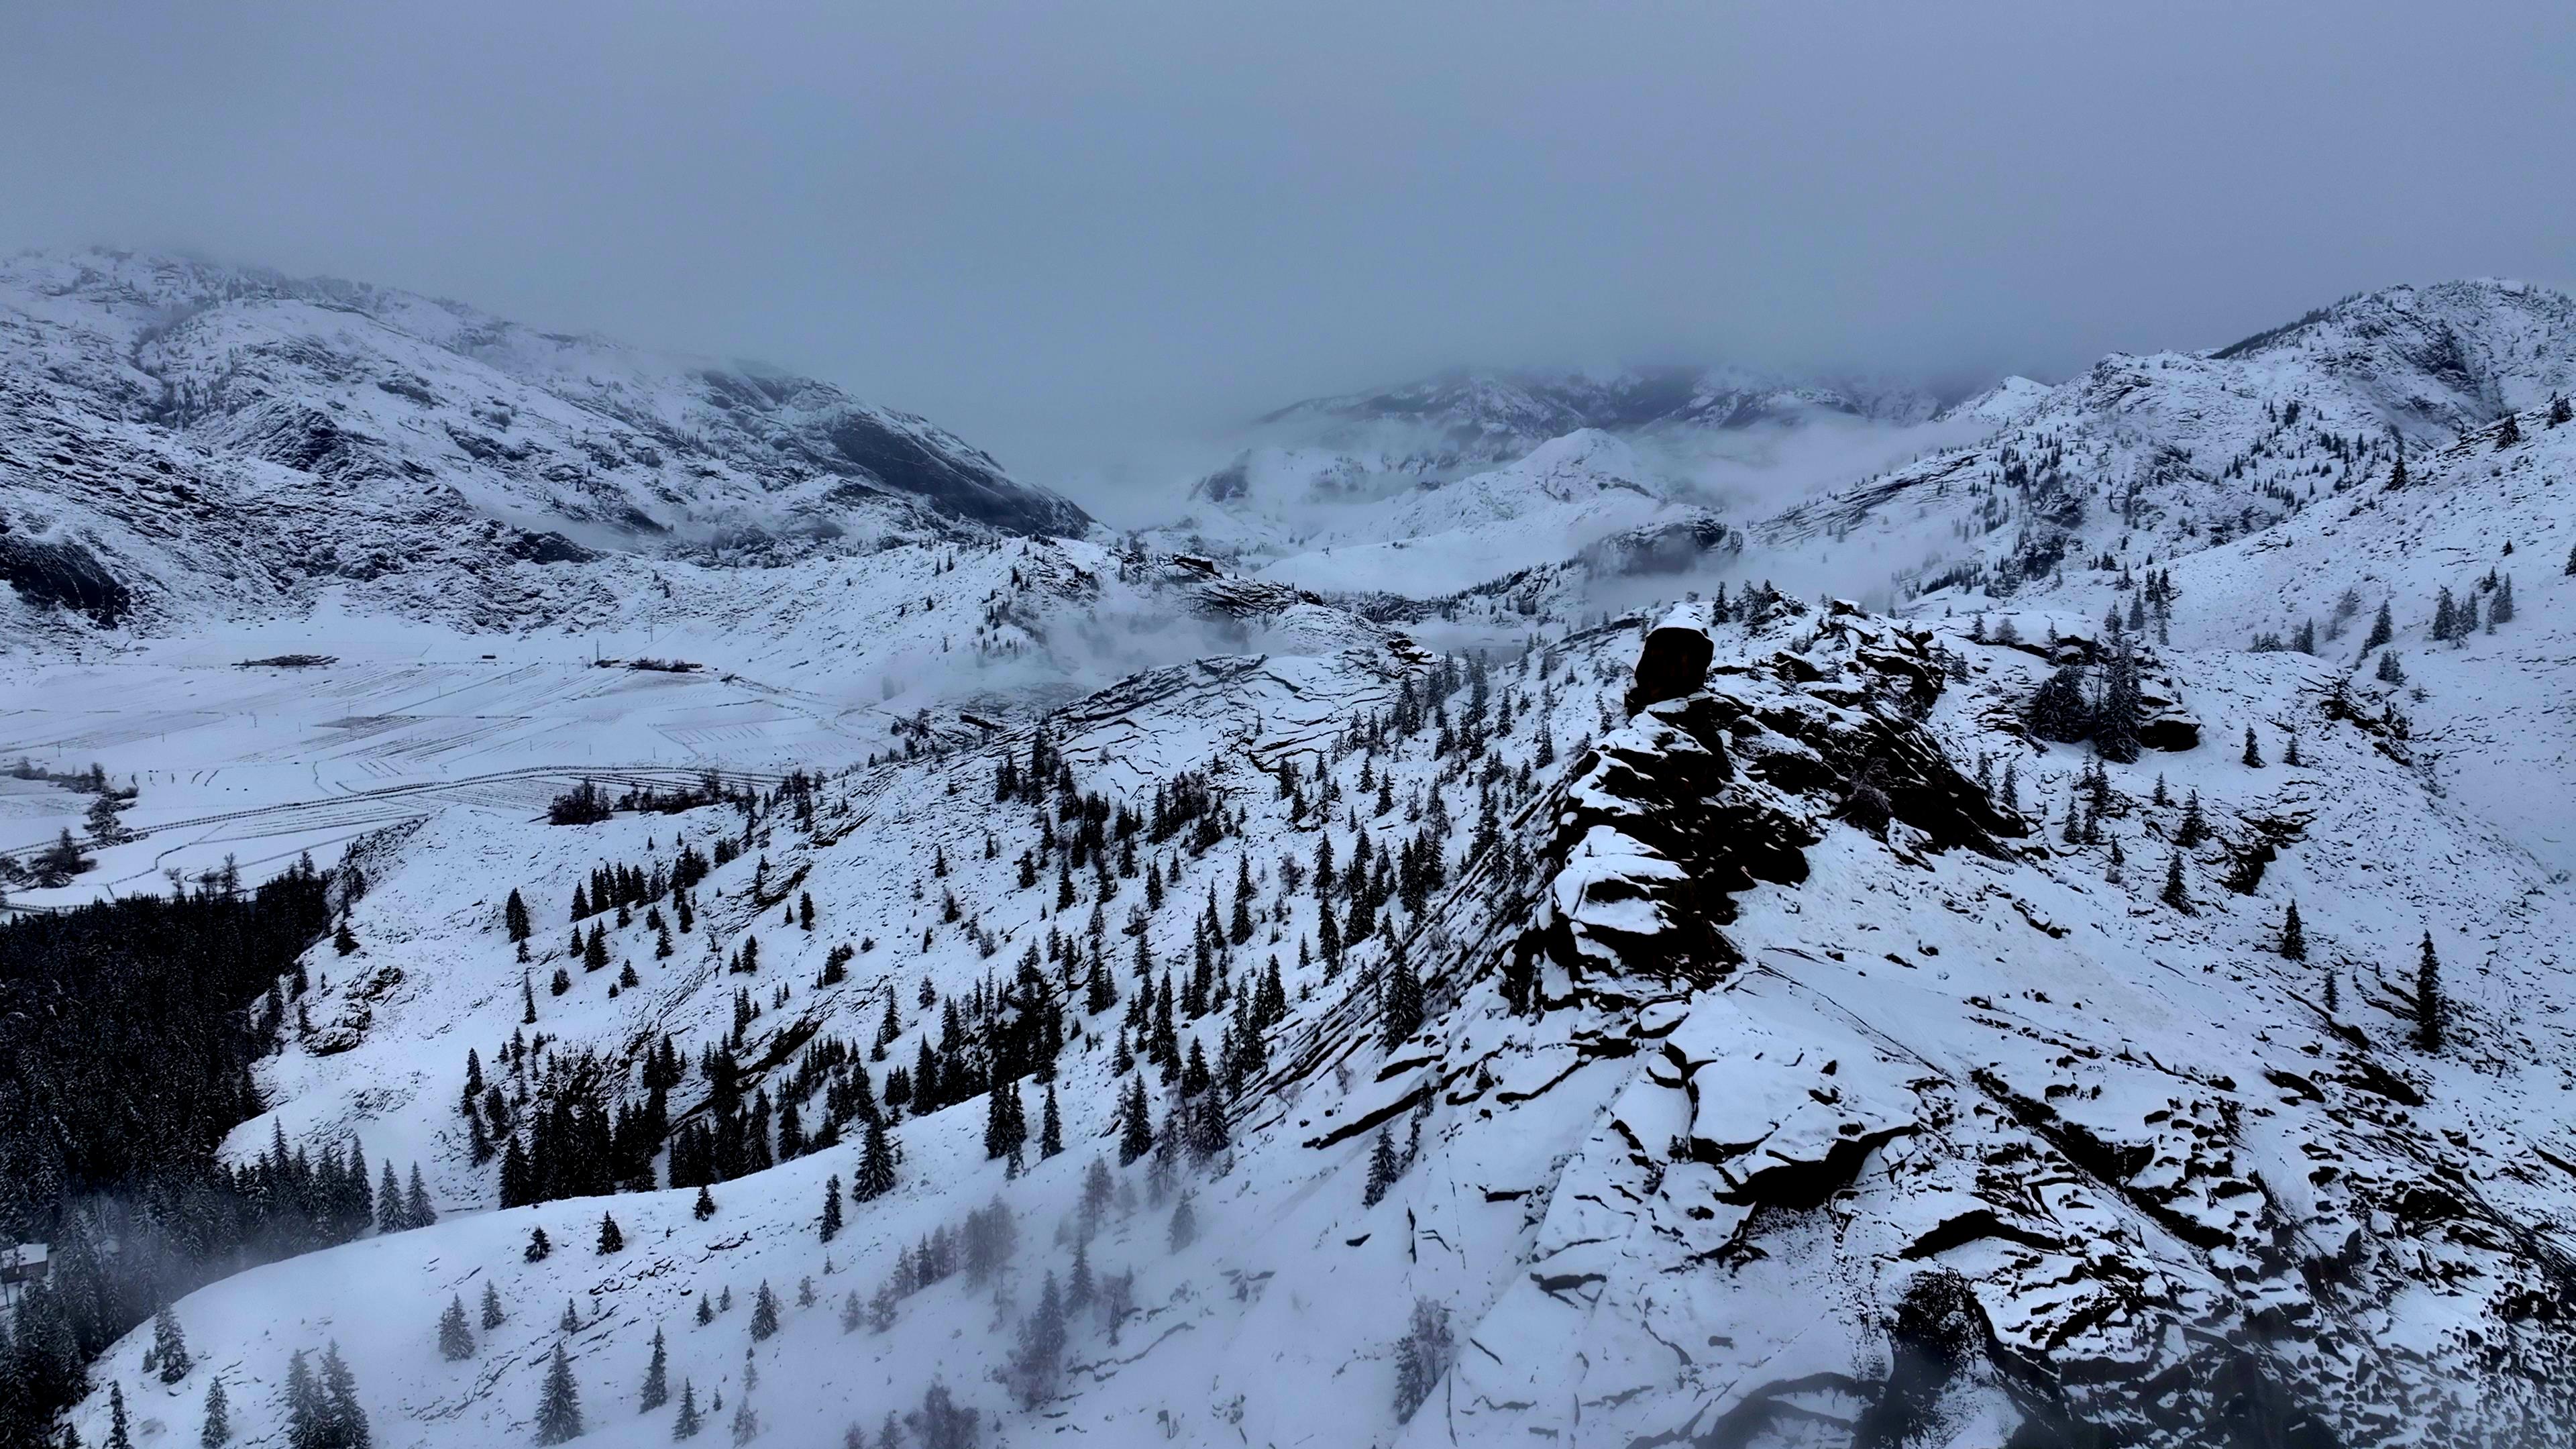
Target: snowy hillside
(1726,1044)
(1438,539)
(2172,453)
(1322,471)
(180,441)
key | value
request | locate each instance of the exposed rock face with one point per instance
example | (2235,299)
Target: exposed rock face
(1707,790)
(1824,1209)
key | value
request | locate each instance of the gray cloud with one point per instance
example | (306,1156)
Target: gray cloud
(1055,228)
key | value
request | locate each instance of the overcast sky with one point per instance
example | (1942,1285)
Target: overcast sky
(1053,226)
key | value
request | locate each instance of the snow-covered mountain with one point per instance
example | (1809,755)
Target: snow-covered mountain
(2170,453)
(1778,1081)
(1485,416)
(1703,1016)
(180,440)
(1307,472)
(1442,537)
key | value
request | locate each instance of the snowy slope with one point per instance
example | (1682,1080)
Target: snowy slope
(1810,1129)
(1306,472)
(181,441)
(1440,538)
(2171,453)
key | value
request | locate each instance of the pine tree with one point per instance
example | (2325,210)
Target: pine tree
(1050,1127)
(657,1375)
(2194,828)
(218,1430)
(2294,940)
(571,1320)
(2382,628)
(764,1313)
(1383,1171)
(705,1207)
(169,1345)
(417,1212)
(1135,1130)
(119,1436)
(2390,671)
(343,1422)
(2253,751)
(1034,1364)
(389,1203)
(2508,432)
(2175,893)
(2397,465)
(559,1411)
(538,1246)
(2429,1007)
(1185,1224)
(875,1177)
(2334,994)
(610,1239)
(455,1340)
(492,1316)
(686,1426)
(832,1208)
(1421,1357)
(1400,1009)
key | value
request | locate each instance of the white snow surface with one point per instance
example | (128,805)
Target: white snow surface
(1758,1111)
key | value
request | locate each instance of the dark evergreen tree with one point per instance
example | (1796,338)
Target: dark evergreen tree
(1400,1008)
(119,1434)
(538,1245)
(417,1210)
(686,1426)
(705,1207)
(343,1423)
(1384,1169)
(1135,1128)
(610,1239)
(2176,894)
(1051,1127)
(875,1177)
(455,1340)
(2429,1006)
(657,1375)
(2253,751)
(2294,940)
(2194,828)
(2058,710)
(2382,629)
(1421,1357)
(764,1313)
(169,1345)
(559,1409)
(492,1315)
(218,1427)
(832,1208)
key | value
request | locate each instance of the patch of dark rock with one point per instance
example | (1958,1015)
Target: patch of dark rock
(289,661)
(63,575)
(546,548)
